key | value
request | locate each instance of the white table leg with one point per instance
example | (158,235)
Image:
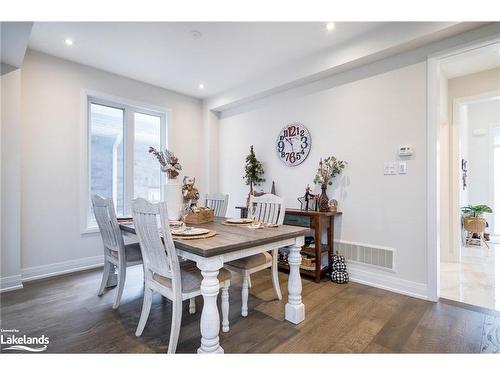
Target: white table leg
(210,321)
(294,309)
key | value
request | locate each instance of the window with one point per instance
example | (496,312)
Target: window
(119,165)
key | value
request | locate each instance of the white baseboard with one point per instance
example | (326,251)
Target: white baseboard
(380,280)
(10,283)
(55,269)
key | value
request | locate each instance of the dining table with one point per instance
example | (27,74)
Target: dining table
(233,242)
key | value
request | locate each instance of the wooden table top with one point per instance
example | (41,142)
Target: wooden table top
(231,238)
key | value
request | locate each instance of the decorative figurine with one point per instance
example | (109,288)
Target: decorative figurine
(190,193)
(308,195)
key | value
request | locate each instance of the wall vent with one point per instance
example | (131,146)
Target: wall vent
(369,255)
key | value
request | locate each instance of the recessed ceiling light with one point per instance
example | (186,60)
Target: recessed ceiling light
(330,26)
(201,86)
(68,42)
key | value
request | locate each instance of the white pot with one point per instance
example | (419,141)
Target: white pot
(173,198)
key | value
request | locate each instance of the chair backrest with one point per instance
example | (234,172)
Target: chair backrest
(158,256)
(217,202)
(267,208)
(104,212)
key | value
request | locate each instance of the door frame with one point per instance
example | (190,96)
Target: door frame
(434,175)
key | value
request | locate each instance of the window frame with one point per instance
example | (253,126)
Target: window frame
(129,107)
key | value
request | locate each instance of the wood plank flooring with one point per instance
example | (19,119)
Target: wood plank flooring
(350,318)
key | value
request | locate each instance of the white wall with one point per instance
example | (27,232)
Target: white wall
(481,117)
(51,120)
(10,179)
(363,122)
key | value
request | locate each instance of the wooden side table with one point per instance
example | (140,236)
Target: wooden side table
(319,222)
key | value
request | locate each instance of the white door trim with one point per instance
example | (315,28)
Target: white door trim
(433,157)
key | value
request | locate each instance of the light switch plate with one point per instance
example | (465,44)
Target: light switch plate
(390,168)
(402,167)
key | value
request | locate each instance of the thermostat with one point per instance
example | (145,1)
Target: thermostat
(405,151)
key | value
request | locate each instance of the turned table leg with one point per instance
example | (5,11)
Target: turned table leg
(210,321)
(294,309)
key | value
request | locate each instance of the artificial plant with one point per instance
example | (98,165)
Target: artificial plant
(476,211)
(253,170)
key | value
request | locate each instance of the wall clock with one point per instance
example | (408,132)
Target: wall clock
(293,144)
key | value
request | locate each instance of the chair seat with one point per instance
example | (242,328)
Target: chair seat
(251,261)
(132,251)
(190,277)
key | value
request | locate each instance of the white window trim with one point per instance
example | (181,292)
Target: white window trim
(129,106)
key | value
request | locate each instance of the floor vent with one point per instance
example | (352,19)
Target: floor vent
(374,256)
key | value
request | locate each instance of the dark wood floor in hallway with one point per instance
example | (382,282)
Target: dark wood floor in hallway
(351,318)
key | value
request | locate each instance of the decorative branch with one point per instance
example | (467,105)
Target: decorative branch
(168,161)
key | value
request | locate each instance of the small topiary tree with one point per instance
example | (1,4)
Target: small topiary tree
(253,170)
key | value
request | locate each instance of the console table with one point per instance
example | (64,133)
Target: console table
(317,221)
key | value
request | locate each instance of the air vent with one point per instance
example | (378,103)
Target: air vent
(369,255)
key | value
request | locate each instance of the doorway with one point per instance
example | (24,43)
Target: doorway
(470,177)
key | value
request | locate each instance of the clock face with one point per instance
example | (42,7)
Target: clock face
(293,144)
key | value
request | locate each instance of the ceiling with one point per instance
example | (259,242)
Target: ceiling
(477,60)
(167,54)
(14,38)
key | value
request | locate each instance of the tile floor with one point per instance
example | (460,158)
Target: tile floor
(476,279)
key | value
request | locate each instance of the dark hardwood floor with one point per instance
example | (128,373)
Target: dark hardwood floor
(350,318)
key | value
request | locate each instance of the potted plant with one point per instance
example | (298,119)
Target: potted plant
(473,221)
(253,172)
(327,170)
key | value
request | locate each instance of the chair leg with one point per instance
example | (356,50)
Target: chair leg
(176,325)
(146,307)
(244,295)
(192,306)
(105,275)
(122,274)
(225,307)
(276,280)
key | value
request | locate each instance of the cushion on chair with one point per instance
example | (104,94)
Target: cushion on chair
(190,277)
(251,261)
(133,251)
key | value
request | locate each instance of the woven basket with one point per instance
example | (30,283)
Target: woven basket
(474,224)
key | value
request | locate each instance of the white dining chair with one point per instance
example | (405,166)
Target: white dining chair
(217,202)
(267,208)
(163,273)
(118,253)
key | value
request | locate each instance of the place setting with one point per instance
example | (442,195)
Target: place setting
(180,231)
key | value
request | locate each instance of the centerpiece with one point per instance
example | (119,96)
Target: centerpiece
(170,165)
(327,170)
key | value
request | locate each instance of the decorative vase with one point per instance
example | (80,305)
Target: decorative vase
(173,198)
(323,199)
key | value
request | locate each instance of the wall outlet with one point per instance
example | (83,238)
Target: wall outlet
(390,168)
(402,167)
